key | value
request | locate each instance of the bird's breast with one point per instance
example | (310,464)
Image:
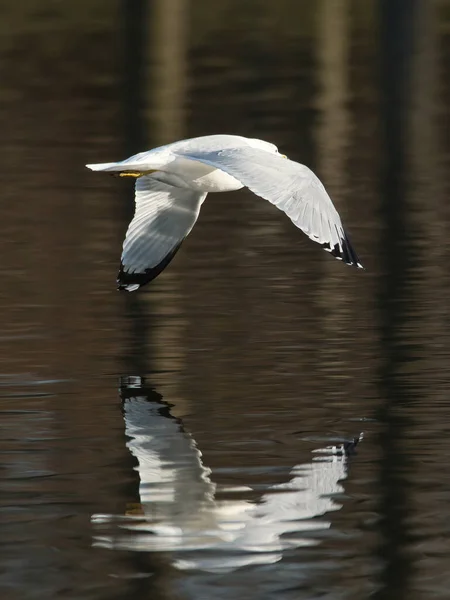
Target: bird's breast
(203,178)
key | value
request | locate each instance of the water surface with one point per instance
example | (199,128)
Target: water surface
(197,439)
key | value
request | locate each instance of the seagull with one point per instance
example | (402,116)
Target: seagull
(173,181)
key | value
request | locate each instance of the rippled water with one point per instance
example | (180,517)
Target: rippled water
(261,421)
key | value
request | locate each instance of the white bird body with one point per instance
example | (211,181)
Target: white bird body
(192,175)
(172,182)
(185,172)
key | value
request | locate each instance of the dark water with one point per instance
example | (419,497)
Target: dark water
(196,439)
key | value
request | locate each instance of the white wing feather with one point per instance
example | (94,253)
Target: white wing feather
(164,216)
(291,187)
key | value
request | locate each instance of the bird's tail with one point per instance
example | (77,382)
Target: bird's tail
(111,167)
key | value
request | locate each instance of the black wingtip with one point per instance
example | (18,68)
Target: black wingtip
(130,282)
(344,251)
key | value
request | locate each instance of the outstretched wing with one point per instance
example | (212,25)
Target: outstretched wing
(291,187)
(163,218)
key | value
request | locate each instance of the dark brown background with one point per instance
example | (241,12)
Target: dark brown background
(253,333)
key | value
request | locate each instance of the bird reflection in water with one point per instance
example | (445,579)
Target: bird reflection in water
(179,512)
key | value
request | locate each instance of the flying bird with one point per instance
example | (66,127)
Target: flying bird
(173,181)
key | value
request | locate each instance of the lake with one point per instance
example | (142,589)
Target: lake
(261,421)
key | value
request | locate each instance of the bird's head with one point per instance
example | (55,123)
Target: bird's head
(267,146)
